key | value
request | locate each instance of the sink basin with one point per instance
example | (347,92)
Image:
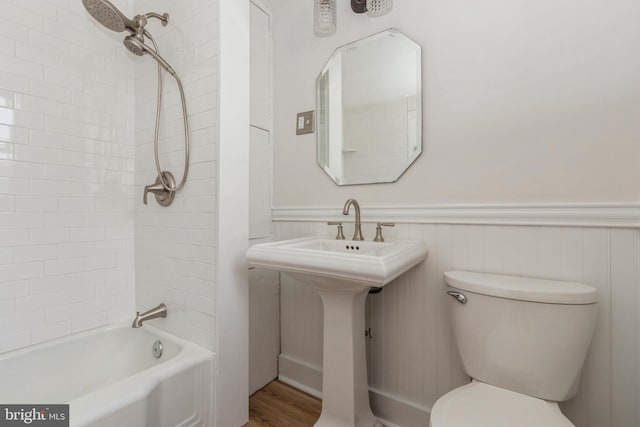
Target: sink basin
(327,263)
(342,271)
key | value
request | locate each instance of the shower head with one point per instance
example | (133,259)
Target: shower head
(137,46)
(134,44)
(111,17)
(108,15)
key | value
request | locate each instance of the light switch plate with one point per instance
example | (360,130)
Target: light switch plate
(305,123)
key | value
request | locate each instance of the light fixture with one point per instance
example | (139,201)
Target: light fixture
(379,7)
(325,13)
(359,6)
(325,17)
(372,7)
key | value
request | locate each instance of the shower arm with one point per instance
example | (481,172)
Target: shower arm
(142,20)
(166,185)
(164,18)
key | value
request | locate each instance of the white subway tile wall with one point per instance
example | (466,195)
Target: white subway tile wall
(175,246)
(66,172)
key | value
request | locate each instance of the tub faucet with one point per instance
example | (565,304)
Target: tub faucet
(159,311)
(357,235)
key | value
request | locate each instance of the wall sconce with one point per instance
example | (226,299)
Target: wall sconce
(325,13)
(324,17)
(379,7)
(372,7)
(359,6)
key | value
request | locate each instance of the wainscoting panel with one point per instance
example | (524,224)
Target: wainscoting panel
(625,328)
(411,356)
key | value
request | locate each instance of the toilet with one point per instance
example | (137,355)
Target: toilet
(523,342)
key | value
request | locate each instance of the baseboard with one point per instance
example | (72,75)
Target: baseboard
(396,411)
(615,215)
(300,375)
(392,411)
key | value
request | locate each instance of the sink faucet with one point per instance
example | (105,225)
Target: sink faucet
(357,235)
(159,311)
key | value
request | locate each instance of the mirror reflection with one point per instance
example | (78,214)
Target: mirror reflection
(369,102)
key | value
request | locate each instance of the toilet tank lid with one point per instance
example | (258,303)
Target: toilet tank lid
(522,288)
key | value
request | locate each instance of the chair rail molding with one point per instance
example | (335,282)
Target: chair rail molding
(614,215)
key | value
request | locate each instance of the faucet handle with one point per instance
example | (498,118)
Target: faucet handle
(340,235)
(156,189)
(163,196)
(379,237)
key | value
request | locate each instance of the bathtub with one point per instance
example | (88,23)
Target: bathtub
(111,378)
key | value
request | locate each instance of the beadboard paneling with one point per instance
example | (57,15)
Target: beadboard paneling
(625,326)
(412,357)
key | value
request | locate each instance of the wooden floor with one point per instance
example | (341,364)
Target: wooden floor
(279,405)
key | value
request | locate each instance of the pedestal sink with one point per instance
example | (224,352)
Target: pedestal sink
(342,271)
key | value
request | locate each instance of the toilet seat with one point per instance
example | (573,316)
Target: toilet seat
(482,405)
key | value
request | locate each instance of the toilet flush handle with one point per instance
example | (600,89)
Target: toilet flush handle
(458,296)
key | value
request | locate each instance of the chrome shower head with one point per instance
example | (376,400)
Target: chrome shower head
(108,15)
(137,46)
(134,44)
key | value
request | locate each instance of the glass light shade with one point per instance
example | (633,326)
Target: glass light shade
(325,17)
(379,7)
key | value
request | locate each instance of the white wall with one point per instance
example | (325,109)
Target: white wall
(176,246)
(412,359)
(66,172)
(523,102)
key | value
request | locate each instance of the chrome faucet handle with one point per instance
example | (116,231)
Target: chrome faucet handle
(379,237)
(163,197)
(156,189)
(340,235)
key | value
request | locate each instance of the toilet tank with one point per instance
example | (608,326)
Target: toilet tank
(527,335)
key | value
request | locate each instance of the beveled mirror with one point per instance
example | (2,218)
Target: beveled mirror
(369,103)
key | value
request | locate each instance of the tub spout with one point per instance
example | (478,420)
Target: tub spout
(159,311)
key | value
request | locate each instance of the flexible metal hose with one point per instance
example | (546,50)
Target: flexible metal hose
(156,135)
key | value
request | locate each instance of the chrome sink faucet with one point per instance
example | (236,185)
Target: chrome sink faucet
(357,235)
(159,311)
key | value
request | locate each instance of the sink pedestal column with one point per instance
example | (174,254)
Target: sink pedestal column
(345,391)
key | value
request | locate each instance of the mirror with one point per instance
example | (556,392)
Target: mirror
(369,103)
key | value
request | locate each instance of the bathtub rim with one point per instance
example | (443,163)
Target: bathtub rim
(183,343)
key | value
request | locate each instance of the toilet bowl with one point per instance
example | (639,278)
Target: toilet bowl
(523,342)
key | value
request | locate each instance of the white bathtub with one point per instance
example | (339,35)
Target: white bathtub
(110,378)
